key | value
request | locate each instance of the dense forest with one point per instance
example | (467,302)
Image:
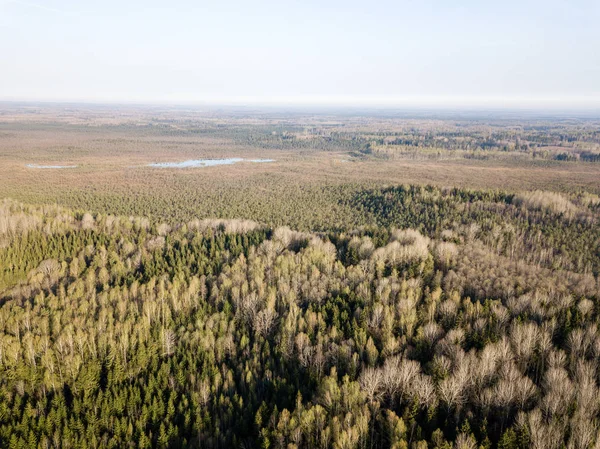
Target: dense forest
(433,318)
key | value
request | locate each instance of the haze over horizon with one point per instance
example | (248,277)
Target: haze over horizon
(530,54)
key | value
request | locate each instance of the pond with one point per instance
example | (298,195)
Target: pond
(50,166)
(206,162)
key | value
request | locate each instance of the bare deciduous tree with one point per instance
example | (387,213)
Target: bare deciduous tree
(168,341)
(371,381)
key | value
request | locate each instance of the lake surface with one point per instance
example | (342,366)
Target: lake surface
(206,162)
(50,166)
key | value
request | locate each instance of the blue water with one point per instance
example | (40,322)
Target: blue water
(50,166)
(205,162)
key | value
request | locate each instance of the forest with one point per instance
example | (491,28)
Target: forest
(389,301)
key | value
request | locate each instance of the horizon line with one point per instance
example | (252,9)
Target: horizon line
(497,102)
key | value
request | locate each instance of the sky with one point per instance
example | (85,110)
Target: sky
(488,53)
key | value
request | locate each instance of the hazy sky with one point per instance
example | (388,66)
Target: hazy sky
(431,52)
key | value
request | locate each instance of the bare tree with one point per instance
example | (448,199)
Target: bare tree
(87,221)
(559,392)
(584,431)
(371,382)
(464,441)
(263,321)
(513,389)
(398,375)
(523,339)
(544,435)
(168,342)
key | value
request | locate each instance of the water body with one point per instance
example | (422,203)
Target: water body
(206,162)
(50,166)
